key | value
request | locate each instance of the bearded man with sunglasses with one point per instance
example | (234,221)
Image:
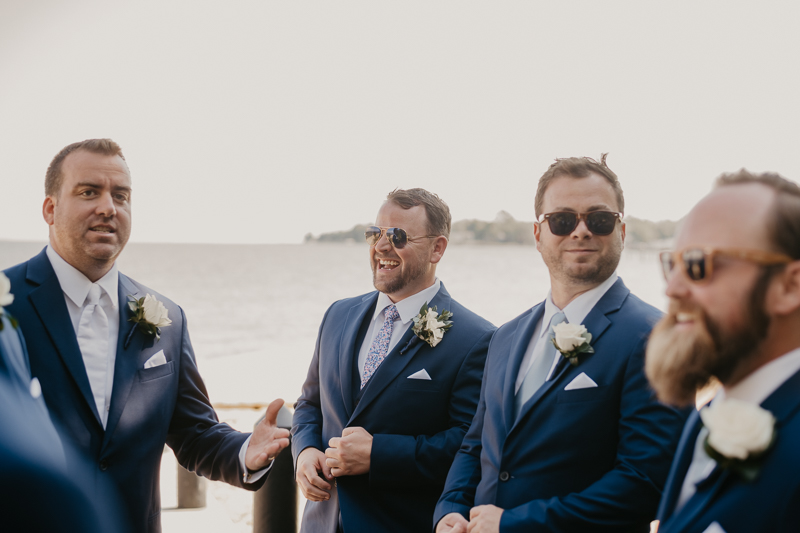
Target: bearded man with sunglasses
(734,317)
(573,442)
(390,393)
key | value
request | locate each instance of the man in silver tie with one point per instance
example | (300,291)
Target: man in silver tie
(568,435)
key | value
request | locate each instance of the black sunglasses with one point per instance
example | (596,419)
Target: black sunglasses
(564,222)
(396,236)
(698,263)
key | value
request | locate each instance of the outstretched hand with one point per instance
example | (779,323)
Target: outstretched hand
(267,440)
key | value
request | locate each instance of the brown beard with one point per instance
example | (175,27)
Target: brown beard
(679,363)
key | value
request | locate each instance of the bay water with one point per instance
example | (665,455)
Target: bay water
(254,310)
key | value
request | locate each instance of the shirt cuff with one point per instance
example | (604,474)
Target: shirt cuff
(248,476)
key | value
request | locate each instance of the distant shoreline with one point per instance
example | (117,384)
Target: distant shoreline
(504,230)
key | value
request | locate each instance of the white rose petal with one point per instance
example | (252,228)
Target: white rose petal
(737,429)
(436,338)
(155,312)
(431,321)
(569,336)
(6,298)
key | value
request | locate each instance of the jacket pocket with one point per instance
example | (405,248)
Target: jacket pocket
(148,374)
(588,394)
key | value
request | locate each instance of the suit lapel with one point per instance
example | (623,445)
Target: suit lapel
(782,403)
(347,347)
(596,323)
(126,364)
(519,344)
(680,466)
(394,363)
(48,301)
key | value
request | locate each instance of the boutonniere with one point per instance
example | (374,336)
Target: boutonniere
(571,340)
(430,326)
(149,315)
(6,298)
(739,435)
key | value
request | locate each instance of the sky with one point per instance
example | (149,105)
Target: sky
(259,121)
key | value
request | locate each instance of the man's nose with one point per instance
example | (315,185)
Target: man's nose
(383,244)
(581,231)
(105,206)
(678,285)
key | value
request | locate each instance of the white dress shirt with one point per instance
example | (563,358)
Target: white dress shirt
(407,308)
(755,388)
(575,311)
(76,288)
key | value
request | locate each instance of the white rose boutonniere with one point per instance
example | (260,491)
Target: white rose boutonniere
(572,340)
(6,298)
(430,326)
(149,315)
(739,435)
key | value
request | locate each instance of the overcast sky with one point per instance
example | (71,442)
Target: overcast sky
(258,122)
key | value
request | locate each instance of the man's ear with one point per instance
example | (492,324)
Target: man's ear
(784,298)
(537,233)
(439,246)
(48,210)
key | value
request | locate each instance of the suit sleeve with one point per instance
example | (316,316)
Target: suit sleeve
(307,419)
(201,442)
(629,493)
(405,460)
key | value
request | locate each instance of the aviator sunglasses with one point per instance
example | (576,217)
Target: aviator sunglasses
(396,236)
(698,263)
(564,222)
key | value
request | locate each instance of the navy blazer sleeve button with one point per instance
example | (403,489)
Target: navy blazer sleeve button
(103,465)
(504,476)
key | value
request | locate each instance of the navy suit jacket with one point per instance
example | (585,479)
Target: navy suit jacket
(417,425)
(591,459)
(15,368)
(769,504)
(35,490)
(149,406)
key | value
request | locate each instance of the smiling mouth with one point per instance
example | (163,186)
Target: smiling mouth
(387,264)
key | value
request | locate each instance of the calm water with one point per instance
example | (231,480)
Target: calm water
(254,310)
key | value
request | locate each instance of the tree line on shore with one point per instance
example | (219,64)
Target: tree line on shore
(505,229)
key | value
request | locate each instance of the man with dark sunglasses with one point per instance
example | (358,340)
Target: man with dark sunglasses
(393,384)
(734,318)
(568,435)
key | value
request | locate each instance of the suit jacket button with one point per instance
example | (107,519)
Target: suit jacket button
(504,476)
(103,465)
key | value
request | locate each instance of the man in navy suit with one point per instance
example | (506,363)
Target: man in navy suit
(383,410)
(734,290)
(560,445)
(119,389)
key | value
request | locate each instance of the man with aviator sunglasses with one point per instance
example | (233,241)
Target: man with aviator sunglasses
(559,445)
(383,412)
(734,290)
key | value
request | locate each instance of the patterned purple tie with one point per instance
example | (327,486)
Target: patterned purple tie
(380,345)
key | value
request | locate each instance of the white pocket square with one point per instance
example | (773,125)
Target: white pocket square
(157,360)
(581,382)
(422,374)
(714,528)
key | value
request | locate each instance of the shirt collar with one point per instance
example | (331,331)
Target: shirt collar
(76,286)
(759,385)
(577,310)
(409,307)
